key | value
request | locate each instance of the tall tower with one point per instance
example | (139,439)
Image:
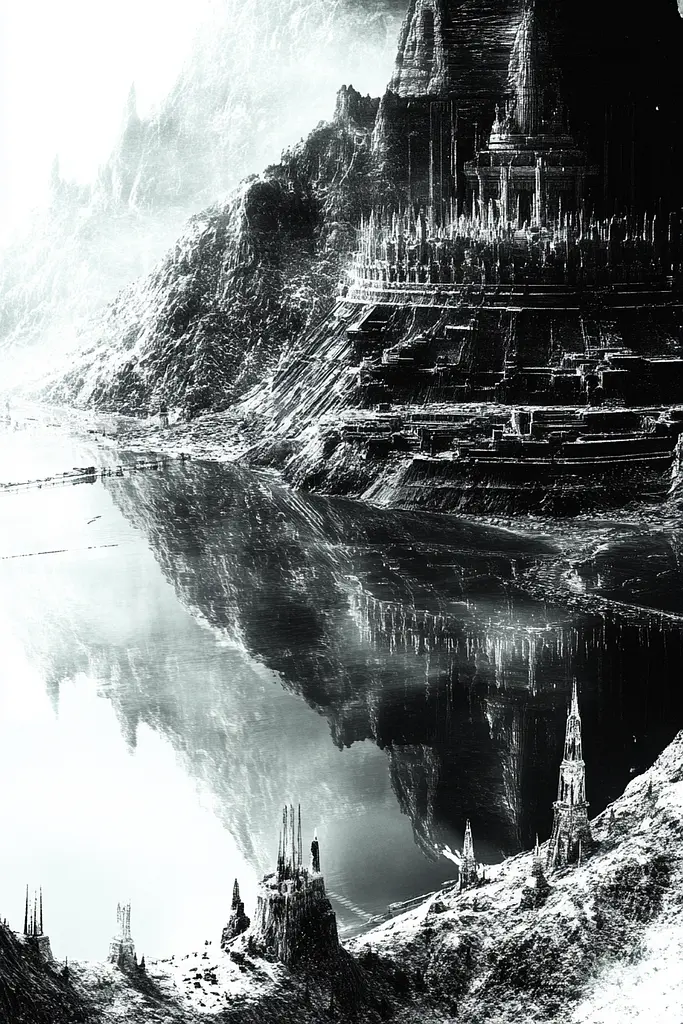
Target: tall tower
(122,948)
(469,876)
(571,831)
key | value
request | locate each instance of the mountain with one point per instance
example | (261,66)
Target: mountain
(247,277)
(230,113)
(251,275)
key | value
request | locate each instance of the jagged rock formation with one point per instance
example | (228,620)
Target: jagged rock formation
(604,939)
(246,279)
(605,934)
(448,47)
(238,922)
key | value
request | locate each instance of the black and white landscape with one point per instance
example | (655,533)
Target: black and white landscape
(340,557)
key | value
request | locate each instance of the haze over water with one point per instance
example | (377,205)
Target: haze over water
(186,648)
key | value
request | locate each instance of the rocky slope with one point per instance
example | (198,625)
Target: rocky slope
(246,279)
(605,945)
(612,920)
(32,992)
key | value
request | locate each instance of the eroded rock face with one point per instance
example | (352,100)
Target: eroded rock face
(447,46)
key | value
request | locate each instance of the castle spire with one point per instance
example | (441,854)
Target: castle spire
(41,911)
(299,845)
(293,854)
(468,865)
(235,895)
(571,834)
(536,887)
(26,913)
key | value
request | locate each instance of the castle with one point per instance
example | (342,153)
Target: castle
(571,835)
(122,947)
(512,317)
(33,926)
(294,919)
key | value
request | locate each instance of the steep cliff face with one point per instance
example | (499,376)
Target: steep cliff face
(33,992)
(245,280)
(448,47)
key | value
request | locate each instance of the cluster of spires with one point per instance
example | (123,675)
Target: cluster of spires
(123,921)
(33,914)
(492,247)
(571,835)
(524,217)
(290,848)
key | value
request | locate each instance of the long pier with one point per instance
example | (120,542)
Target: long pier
(80,475)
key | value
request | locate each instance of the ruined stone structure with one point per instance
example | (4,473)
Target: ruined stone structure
(238,922)
(294,919)
(33,926)
(571,835)
(469,874)
(122,948)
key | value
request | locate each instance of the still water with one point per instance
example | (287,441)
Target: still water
(186,648)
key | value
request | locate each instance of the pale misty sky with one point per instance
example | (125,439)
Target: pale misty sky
(65,72)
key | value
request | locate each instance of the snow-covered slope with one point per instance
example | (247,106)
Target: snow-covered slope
(604,948)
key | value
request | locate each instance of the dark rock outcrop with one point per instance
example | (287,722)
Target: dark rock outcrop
(31,990)
(238,922)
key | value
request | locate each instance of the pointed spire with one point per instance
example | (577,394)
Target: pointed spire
(468,865)
(574,711)
(571,830)
(26,913)
(41,910)
(292,825)
(299,845)
(468,844)
(235,895)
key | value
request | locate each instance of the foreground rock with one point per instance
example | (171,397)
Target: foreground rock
(604,944)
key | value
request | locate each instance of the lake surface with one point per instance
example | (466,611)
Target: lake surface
(186,648)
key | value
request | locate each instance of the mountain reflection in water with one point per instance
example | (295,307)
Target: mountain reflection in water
(406,630)
(384,668)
